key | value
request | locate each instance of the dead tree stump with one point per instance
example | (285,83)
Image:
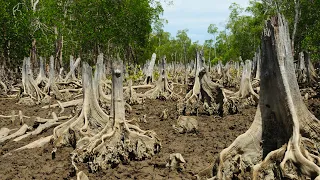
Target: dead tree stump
(31,94)
(100,140)
(283,141)
(205,94)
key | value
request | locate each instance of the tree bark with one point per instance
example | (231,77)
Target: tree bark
(291,149)
(149,73)
(104,141)
(296,21)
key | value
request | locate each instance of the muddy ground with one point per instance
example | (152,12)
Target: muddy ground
(199,150)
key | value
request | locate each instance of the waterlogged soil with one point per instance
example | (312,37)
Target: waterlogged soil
(199,150)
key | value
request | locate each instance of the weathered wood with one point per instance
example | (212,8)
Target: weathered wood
(41,76)
(107,145)
(72,69)
(266,152)
(149,73)
(51,84)
(81,124)
(24,128)
(30,89)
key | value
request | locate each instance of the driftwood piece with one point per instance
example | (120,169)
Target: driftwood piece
(23,129)
(36,144)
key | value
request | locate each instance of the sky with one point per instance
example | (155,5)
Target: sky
(197,15)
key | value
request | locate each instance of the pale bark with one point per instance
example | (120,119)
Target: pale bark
(204,91)
(42,127)
(312,76)
(41,76)
(51,84)
(72,69)
(102,86)
(118,139)
(36,144)
(291,149)
(24,128)
(90,120)
(31,91)
(246,89)
(149,73)
(301,71)
(162,89)
(73,74)
(258,63)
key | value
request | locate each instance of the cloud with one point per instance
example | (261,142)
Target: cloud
(197,16)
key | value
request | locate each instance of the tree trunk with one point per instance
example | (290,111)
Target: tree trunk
(162,90)
(41,76)
(204,90)
(149,73)
(33,54)
(72,69)
(30,89)
(101,141)
(258,60)
(51,84)
(296,20)
(291,149)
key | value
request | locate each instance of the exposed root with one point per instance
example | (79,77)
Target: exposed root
(131,96)
(205,95)
(20,132)
(31,91)
(120,145)
(88,122)
(119,141)
(164,115)
(246,95)
(41,78)
(39,129)
(36,144)
(289,151)
(162,90)
(4,132)
(82,176)
(13,117)
(71,72)
(51,85)
(76,102)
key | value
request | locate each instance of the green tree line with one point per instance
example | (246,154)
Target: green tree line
(242,34)
(80,28)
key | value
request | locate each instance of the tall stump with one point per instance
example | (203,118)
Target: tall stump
(283,141)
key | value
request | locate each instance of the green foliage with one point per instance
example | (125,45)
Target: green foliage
(134,29)
(136,76)
(87,27)
(156,75)
(216,60)
(244,30)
